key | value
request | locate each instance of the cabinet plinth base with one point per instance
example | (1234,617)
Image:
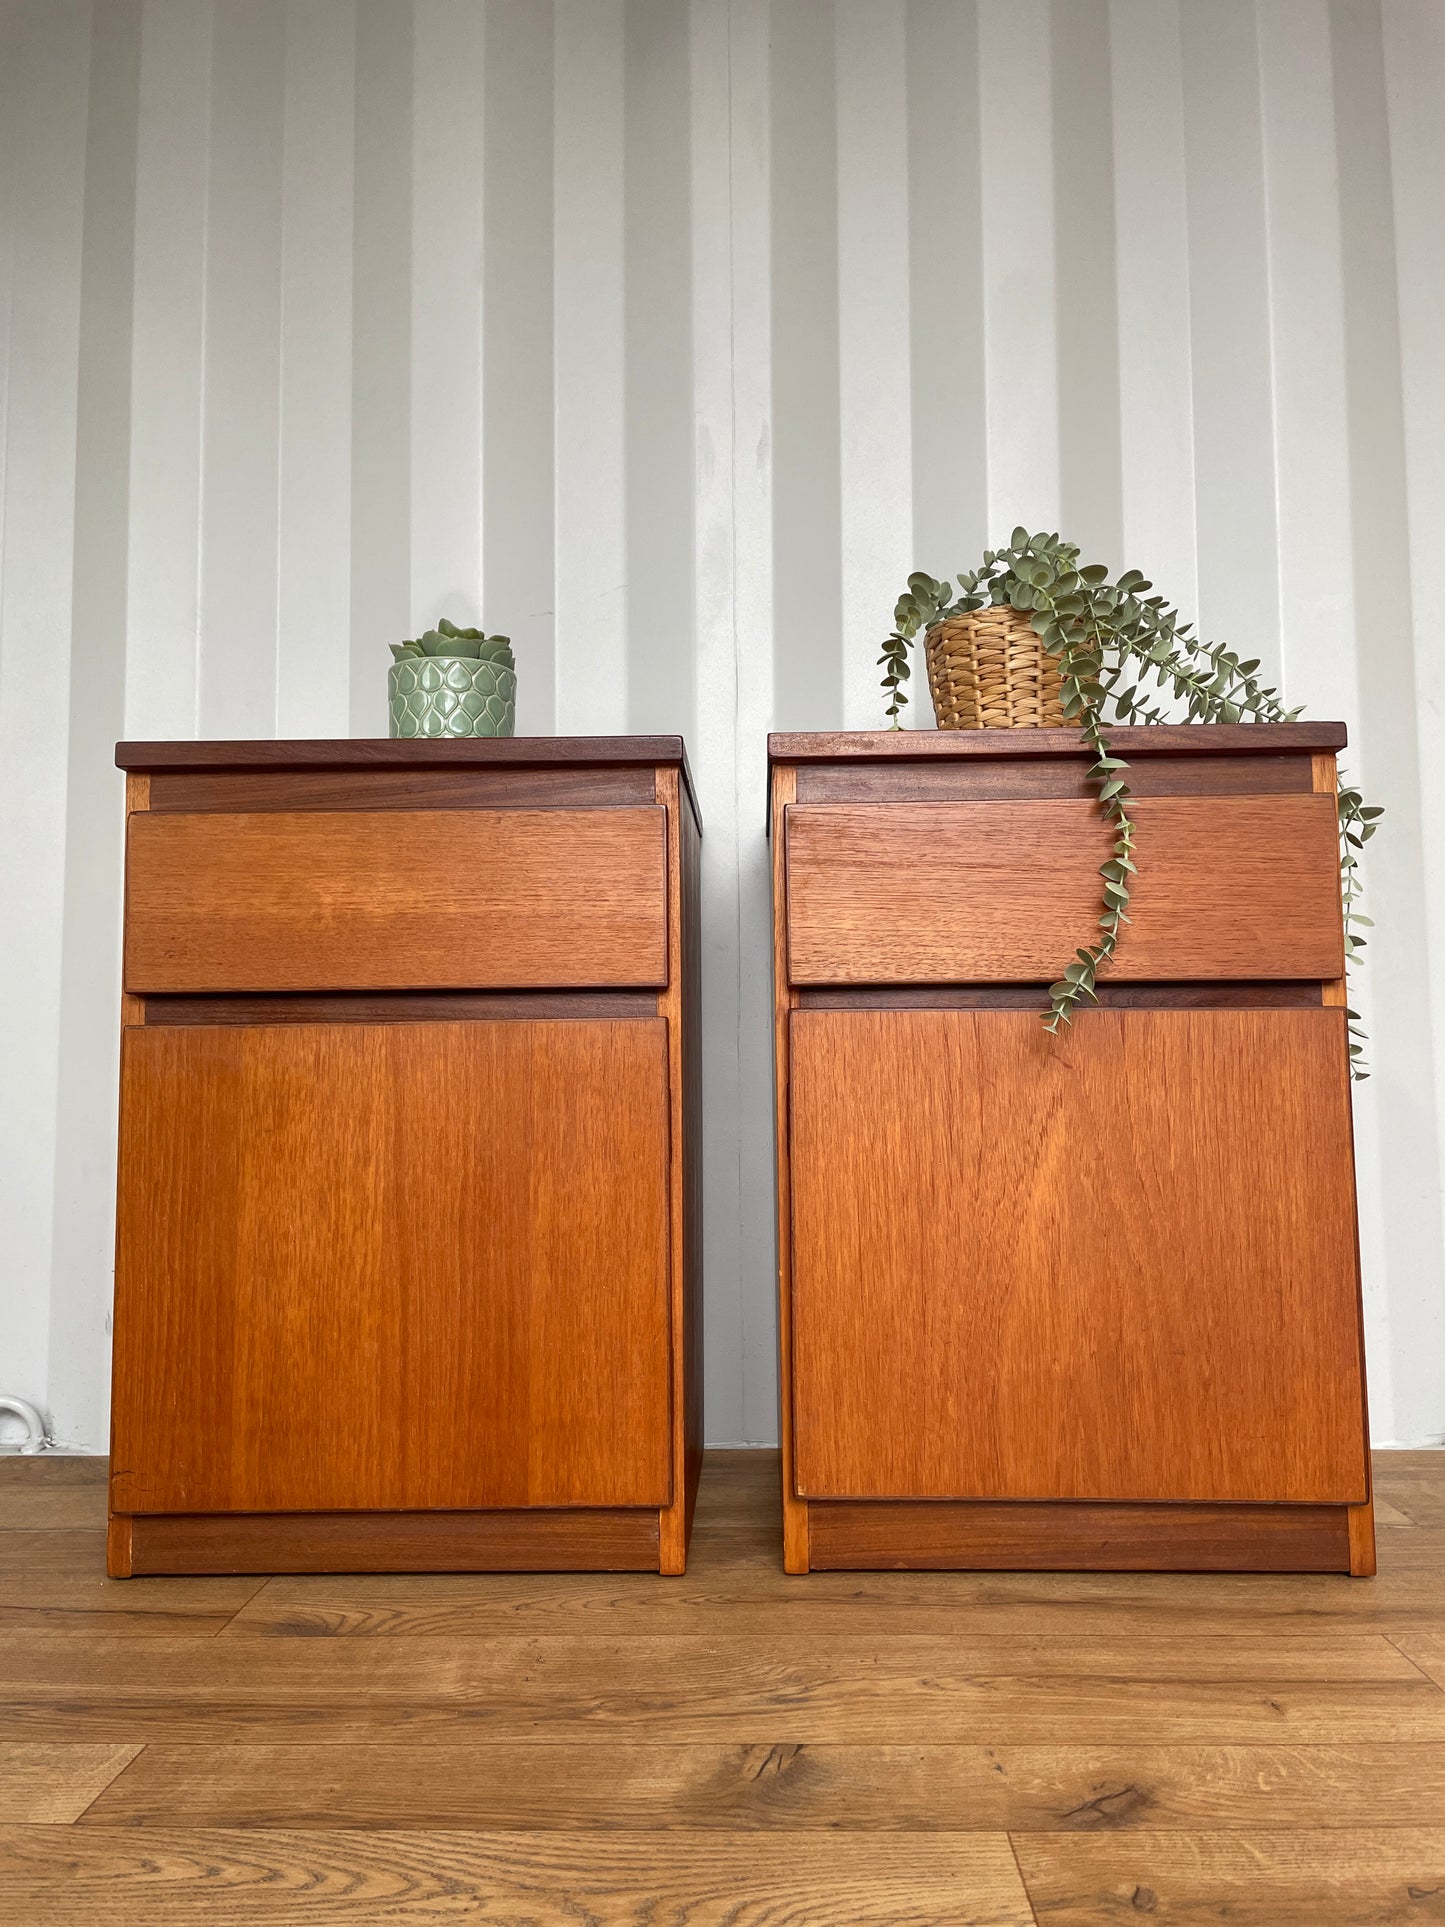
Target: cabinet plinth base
(1041,1536)
(592,1539)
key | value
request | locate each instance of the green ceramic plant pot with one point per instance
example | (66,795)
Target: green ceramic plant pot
(451,696)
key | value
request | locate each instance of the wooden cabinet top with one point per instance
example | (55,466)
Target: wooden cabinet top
(361,752)
(1131,740)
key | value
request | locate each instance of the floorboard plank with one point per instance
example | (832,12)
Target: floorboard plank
(30,1470)
(1264,1879)
(1389,1515)
(1412,1486)
(627,1785)
(793,1689)
(743,1596)
(55,1784)
(54,1583)
(80,1877)
(49,1507)
(1427,1651)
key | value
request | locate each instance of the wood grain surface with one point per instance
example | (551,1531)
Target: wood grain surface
(681,1004)
(977,779)
(1272,994)
(576,1538)
(242,791)
(987,1306)
(1133,740)
(52,1581)
(56,1784)
(1092,1538)
(259,1879)
(380,1267)
(785,999)
(627,1783)
(321,900)
(986,892)
(398,752)
(690,1687)
(401,1007)
(1427,1651)
(735,1746)
(1369,1879)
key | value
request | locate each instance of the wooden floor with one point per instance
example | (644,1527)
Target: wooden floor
(734,1747)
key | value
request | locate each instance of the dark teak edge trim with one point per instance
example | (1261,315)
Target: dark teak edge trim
(1282,995)
(1011,779)
(246,791)
(370,752)
(397,1006)
(1134,739)
(1054,1536)
(591,1539)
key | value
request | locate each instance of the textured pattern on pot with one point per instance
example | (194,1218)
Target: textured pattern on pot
(451,696)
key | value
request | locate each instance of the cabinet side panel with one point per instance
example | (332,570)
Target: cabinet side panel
(679,1003)
(1325,778)
(1117,1265)
(692,1202)
(795,1511)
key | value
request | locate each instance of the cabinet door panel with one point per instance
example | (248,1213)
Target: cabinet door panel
(420,1265)
(1117,1266)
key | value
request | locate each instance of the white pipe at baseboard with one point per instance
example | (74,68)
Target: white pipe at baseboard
(36,1438)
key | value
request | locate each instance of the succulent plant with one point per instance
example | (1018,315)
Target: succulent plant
(470,645)
(452,682)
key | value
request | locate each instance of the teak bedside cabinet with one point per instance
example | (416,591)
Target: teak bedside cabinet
(408,1256)
(1085,1302)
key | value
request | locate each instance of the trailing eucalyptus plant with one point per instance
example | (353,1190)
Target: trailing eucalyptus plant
(1111,639)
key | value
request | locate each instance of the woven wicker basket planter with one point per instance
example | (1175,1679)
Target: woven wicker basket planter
(989,670)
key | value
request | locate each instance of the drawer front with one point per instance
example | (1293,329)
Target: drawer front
(1234,887)
(396,900)
(995,1296)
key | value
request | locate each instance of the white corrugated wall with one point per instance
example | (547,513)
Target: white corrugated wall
(668,337)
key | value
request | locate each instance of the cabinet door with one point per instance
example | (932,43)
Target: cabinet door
(391,1266)
(1118,1266)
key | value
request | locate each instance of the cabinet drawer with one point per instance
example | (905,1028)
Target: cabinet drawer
(396,900)
(1234,887)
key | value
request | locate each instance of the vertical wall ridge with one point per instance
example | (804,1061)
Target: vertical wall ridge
(44,156)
